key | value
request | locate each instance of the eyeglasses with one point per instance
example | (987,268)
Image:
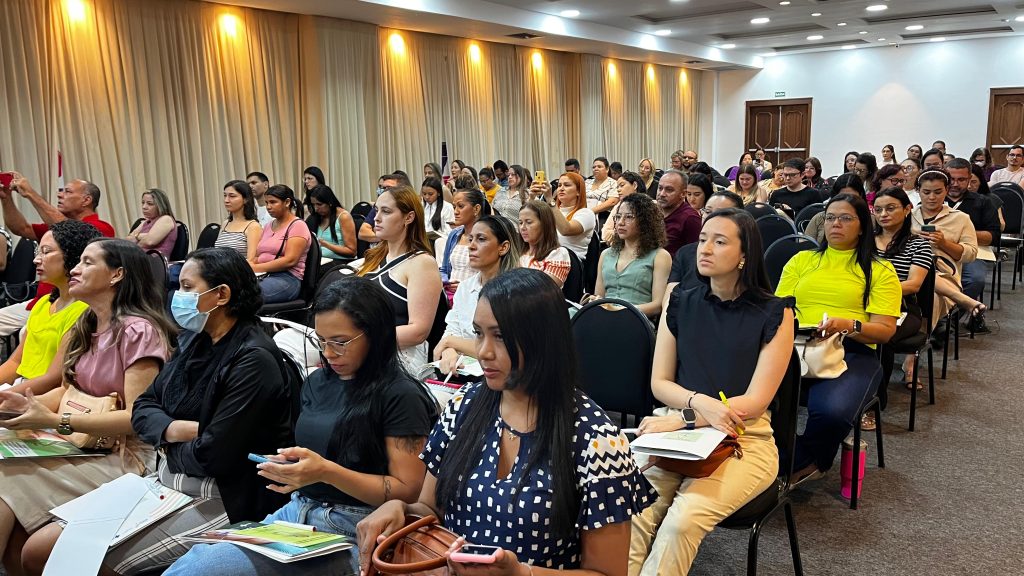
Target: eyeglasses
(886,209)
(336,347)
(791,174)
(689,157)
(46,251)
(896,181)
(844,219)
(624,217)
(1012,155)
(908,169)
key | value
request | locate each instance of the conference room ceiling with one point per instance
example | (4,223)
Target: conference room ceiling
(703,34)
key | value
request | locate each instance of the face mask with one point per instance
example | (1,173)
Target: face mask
(980,163)
(185,309)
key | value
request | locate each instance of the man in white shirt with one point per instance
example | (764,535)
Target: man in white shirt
(1014,171)
(259,184)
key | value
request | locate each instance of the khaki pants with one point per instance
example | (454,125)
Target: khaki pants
(666,535)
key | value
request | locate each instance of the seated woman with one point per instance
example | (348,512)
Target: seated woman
(629,183)
(729,335)
(454,258)
(158,230)
(222,395)
(698,189)
(635,268)
(37,362)
(362,424)
(841,287)
(848,183)
(600,190)
(648,175)
(437,213)
(541,250)
(334,227)
(403,266)
(493,249)
(910,169)
(281,253)
(573,220)
(888,175)
(746,159)
(241,231)
(746,186)
(510,200)
(117,346)
(525,460)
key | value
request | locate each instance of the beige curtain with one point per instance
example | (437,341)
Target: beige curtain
(185,95)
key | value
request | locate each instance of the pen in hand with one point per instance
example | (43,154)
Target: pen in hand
(739,427)
(455,368)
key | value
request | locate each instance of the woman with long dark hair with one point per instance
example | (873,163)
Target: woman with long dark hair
(510,201)
(333,225)
(281,253)
(888,155)
(746,186)
(117,346)
(437,213)
(470,205)
(541,250)
(843,287)
(629,183)
(362,423)
(888,175)
(525,460)
(910,169)
(866,167)
(727,335)
(241,231)
(812,173)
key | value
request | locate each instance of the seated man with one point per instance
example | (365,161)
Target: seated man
(1014,171)
(985,218)
(682,222)
(796,195)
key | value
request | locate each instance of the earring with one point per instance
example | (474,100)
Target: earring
(742,262)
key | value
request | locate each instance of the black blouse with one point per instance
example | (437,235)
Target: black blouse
(718,342)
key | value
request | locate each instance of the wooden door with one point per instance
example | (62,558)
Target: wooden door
(1005,121)
(781,127)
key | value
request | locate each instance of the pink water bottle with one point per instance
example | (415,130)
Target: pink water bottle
(846,468)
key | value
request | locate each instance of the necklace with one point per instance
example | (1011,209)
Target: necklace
(511,433)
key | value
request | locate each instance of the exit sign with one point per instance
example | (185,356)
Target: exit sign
(780,94)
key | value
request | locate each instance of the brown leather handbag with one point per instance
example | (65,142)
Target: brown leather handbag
(419,548)
(699,468)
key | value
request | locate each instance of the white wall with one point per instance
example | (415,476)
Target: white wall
(868,97)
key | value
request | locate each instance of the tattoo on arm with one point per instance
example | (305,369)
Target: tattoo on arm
(387,488)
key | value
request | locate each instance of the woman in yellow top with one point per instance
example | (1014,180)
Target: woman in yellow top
(35,361)
(843,287)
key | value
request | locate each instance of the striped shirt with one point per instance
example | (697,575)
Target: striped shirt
(916,252)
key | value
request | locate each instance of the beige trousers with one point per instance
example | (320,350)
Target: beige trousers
(666,535)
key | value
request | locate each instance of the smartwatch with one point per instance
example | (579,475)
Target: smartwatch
(857,325)
(689,418)
(64,427)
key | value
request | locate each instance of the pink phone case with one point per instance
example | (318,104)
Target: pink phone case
(473,558)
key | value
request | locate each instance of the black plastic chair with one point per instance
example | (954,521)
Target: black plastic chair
(759,209)
(361,209)
(773,227)
(615,351)
(208,237)
(180,248)
(361,245)
(590,264)
(920,341)
(782,250)
(805,215)
(136,225)
(297,310)
(1013,209)
(158,266)
(572,289)
(756,513)
(20,274)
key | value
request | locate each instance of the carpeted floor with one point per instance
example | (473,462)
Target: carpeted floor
(948,500)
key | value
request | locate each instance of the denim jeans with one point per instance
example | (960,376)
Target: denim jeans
(974,274)
(280,287)
(230,560)
(833,405)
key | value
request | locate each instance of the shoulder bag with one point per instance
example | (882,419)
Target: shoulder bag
(75,402)
(419,548)
(823,358)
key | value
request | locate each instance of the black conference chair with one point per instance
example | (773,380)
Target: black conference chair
(572,289)
(361,209)
(590,264)
(208,237)
(876,405)
(782,250)
(917,343)
(759,209)
(135,225)
(756,513)
(180,248)
(297,310)
(20,275)
(774,227)
(1013,208)
(805,215)
(615,345)
(158,266)
(361,245)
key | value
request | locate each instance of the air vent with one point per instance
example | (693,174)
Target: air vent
(524,36)
(776,31)
(932,14)
(685,13)
(934,34)
(806,46)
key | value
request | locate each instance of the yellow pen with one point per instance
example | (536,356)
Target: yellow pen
(739,428)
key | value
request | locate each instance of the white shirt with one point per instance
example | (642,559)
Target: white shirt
(447,215)
(608,189)
(1004,175)
(459,320)
(263,216)
(579,242)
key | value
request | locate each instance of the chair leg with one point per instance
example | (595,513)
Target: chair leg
(913,392)
(931,378)
(855,462)
(945,346)
(794,544)
(755,533)
(956,337)
(878,435)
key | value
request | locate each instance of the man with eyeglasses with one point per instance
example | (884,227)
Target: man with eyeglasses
(1014,171)
(689,159)
(985,218)
(796,195)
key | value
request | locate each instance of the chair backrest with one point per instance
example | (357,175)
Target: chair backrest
(439,325)
(361,209)
(20,267)
(759,209)
(1013,205)
(158,265)
(180,248)
(136,225)
(590,264)
(773,227)
(208,236)
(781,251)
(805,215)
(361,245)
(572,289)
(926,297)
(615,352)
(312,272)
(785,408)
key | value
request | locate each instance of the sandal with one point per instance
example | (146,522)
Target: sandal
(910,384)
(867,422)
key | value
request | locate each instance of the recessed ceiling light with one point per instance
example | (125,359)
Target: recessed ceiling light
(815,14)
(848,46)
(784,3)
(881,40)
(862,32)
(841,24)
(815,37)
(761,20)
(1019,19)
(569,13)
(728,46)
(937,39)
(664,32)
(877,7)
(914,27)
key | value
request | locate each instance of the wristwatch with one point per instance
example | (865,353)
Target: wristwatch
(857,325)
(64,427)
(689,418)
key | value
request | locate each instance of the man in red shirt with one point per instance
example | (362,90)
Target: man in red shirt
(682,222)
(78,201)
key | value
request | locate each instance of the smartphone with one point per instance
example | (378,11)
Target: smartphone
(540,176)
(262,459)
(7,415)
(928,228)
(5,179)
(476,554)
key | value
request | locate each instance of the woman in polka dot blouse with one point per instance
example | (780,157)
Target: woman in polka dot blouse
(524,460)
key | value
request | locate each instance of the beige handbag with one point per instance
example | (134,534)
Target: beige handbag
(821,357)
(75,402)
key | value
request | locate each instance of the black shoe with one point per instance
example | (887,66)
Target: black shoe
(975,324)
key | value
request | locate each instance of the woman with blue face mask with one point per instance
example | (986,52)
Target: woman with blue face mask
(223,394)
